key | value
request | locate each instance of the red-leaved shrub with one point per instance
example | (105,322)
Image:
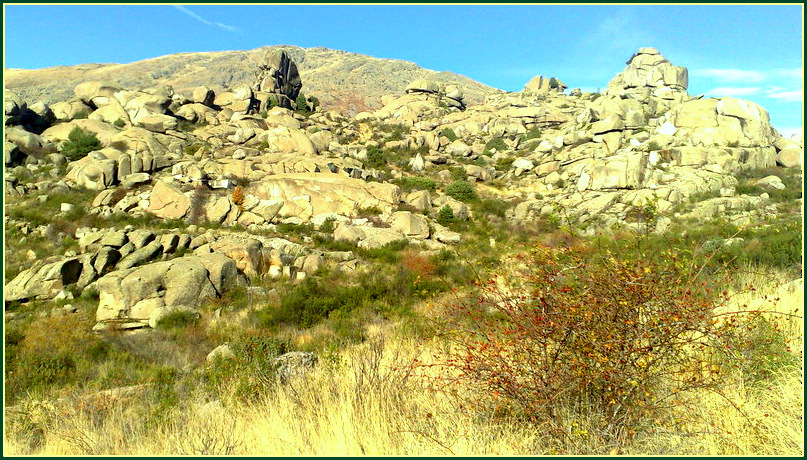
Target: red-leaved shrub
(578,332)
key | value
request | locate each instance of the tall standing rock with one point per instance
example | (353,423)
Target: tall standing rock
(649,69)
(278,78)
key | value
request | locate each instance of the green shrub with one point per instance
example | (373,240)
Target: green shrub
(449,133)
(459,174)
(445,216)
(178,319)
(496,143)
(416,183)
(328,226)
(301,105)
(533,133)
(79,143)
(771,246)
(119,123)
(369,211)
(375,157)
(491,207)
(188,126)
(504,164)
(462,191)
(761,347)
(191,150)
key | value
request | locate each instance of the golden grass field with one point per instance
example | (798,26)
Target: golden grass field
(368,400)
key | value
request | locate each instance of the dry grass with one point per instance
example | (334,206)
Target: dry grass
(367,400)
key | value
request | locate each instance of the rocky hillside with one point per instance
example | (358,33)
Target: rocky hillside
(343,81)
(158,197)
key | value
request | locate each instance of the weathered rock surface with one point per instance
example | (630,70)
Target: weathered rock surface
(134,294)
(307,195)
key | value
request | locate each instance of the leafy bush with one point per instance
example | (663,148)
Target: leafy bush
(496,143)
(761,347)
(79,143)
(462,191)
(491,207)
(328,226)
(449,133)
(188,126)
(504,164)
(416,183)
(445,216)
(375,157)
(191,150)
(302,106)
(533,133)
(178,319)
(51,352)
(578,334)
(776,246)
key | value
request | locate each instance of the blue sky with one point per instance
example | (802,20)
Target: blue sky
(744,51)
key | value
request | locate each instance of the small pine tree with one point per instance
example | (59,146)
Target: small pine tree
(79,143)
(461,190)
(445,216)
(302,104)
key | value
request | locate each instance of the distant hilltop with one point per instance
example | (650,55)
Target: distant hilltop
(348,82)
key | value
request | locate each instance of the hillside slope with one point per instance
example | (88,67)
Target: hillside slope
(344,81)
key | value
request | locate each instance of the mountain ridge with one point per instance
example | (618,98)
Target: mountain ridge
(341,80)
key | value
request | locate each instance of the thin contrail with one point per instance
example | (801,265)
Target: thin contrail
(205,21)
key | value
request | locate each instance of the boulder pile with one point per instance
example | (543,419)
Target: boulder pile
(244,163)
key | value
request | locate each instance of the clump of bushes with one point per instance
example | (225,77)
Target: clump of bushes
(416,183)
(449,133)
(79,143)
(496,143)
(582,334)
(375,157)
(305,105)
(462,191)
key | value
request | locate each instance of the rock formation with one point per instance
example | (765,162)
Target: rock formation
(277,78)
(597,160)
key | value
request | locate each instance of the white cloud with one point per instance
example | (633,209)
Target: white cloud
(734,92)
(787,96)
(205,21)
